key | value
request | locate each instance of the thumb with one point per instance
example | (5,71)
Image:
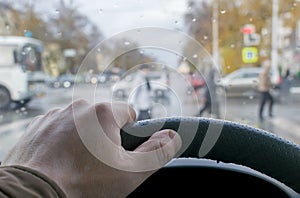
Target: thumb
(166,142)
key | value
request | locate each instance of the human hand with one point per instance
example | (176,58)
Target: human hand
(56,144)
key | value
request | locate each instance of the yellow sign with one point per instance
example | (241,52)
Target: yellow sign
(250,55)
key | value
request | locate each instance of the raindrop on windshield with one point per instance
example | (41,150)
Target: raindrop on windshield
(100,11)
(223,11)
(126,43)
(194,19)
(195,56)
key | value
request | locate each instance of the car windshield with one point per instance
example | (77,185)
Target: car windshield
(90,49)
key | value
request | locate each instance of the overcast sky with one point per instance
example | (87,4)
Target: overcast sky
(115,16)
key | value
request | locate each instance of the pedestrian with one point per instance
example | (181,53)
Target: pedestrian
(210,97)
(141,97)
(206,102)
(265,87)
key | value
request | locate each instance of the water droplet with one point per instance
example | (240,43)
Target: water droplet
(98,50)
(194,19)
(228,66)
(251,97)
(223,11)
(91,71)
(141,51)
(59,34)
(126,43)
(28,49)
(214,20)
(232,46)
(7,27)
(195,56)
(100,11)
(205,37)
(23,109)
(176,22)
(57,11)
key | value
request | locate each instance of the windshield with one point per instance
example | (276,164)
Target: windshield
(102,51)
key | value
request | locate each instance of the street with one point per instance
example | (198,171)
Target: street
(180,103)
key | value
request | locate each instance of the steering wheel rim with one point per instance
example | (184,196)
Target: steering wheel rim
(237,143)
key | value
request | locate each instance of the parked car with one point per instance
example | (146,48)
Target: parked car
(244,82)
(63,81)
(158,80)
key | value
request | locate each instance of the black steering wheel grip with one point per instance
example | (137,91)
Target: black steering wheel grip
(235,143)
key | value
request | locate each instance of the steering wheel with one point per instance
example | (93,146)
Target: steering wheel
(236,143)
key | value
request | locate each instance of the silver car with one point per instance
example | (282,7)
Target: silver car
(244,82)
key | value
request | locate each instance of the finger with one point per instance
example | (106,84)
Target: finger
(158,140)
(161,147)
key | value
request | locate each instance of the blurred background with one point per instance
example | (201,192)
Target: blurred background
(56,51)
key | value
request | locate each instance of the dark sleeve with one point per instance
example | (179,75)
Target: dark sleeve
(18,181)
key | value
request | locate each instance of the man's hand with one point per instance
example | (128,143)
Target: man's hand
(53,144)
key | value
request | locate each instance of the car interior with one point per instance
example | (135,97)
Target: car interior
(235,155)
(245,161)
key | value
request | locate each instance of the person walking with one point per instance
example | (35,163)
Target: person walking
(140,100)
(210,103)
(265,87)
(207,102)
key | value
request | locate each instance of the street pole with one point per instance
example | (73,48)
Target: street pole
(215,29)
(274,52)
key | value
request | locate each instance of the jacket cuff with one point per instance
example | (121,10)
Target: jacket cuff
(20,181)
